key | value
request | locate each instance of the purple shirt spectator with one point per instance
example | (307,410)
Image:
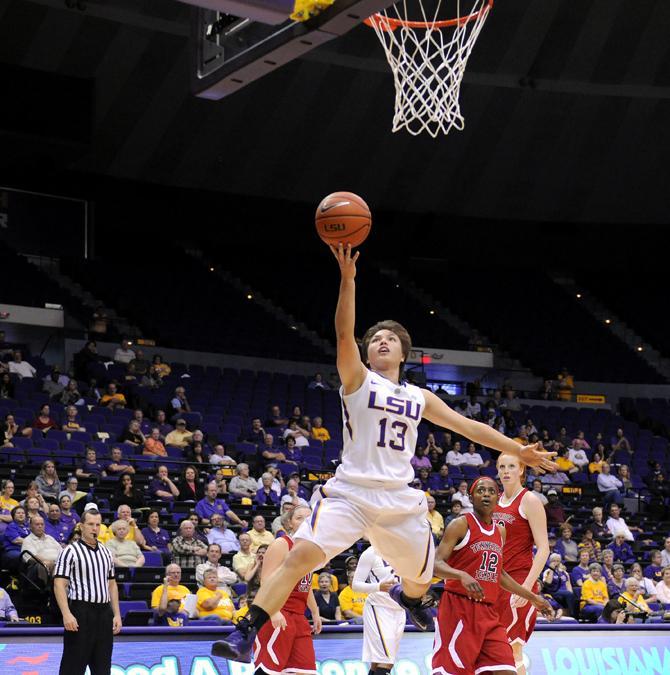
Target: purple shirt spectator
(578,574)
(13,531)
(622,552)
(70,520)
(654,572)
(437,482)
(95,468)
(7,609)
(206,510)
(270,497)
(158,539)
(59,530)
(293,454)
(157,484)
(421,463)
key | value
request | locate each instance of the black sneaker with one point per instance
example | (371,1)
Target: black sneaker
(236,647)
(419,614)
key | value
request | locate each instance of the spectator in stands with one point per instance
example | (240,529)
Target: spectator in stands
(435,518)
(7,610)
(117,465)
(71,395)
(607,562)
(91,468)
(196,454)
(473,458)
(647,585)
(620,442)
(352,602)
(276,419)
(6,386)
(159,369)
(52,385)
(84,358)
(596,463)
(124,354)
(665,553)
(67,514)
(55,527)
(613,613)
(7,503)
(423,477)
(654,570)
(170,614)
(180,436)
(210,505)
(456,511)
(112,398)
(318,382)
(179,403)
(329,605)
(420,459)
(162,424)
(93,391)
(10,429)
(243,485)
(662,590)
(454,456)
(590,545)
(462,496)
(431,444)
(566,546)
(33,491)
(153,445)
(190,487)
(13,538)
(125,551)
(43,422)
(187,549)
(554,509)
(623,474)
(537,491)
(259,535)
(266,495)
(581,570)
(140,363)
(632,599)
(33,508)
(564,464)
(220,458)
(225,576)
(213,601)
(594,594)
(71,421)
(617,581)
(294,489)
(126,493)
(134,532)
(660,495)
(565,384)
(48,482)
(156,538)
(43,546)
(621,549)
(598,525)
(319,432)
(162,487)
(269,452)
(615,523)
(256,434)
(220,535)
(170,589)
(441,484)
(72,491)
(145,425)
(609,486)
(245,559)
(473,409)
(299,435)
(132,434)
(17,366)
(578,457)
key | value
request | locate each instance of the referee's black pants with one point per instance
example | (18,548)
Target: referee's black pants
(92,644)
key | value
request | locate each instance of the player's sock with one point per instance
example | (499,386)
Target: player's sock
(256,617)
(410,602)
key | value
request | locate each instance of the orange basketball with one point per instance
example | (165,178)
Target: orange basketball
(343,217)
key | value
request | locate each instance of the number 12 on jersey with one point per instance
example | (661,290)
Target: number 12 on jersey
(394,433)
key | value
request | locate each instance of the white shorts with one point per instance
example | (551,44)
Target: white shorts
(395,521)
(383,629)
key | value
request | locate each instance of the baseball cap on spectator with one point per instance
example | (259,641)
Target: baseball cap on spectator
(552,492)
(90,507)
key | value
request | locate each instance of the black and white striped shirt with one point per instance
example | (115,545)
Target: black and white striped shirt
(87,569)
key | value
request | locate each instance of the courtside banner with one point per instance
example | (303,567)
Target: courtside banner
(565,652)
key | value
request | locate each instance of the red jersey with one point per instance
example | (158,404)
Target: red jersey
(297,601)
(519,540)
(480,554)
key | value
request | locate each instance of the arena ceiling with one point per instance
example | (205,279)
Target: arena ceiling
(566,102)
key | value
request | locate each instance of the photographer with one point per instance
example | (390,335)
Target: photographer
(615,613)
(632,600)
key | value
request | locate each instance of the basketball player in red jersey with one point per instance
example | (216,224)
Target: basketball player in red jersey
(469,639)
(284,644)
(522,515)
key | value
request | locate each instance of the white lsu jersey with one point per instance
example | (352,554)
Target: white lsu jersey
(371,571)
(380,431)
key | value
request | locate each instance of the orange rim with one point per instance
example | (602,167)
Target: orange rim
(390,24)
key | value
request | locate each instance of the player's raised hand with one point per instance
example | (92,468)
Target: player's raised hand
(475,591)
(531,455)
(345,260)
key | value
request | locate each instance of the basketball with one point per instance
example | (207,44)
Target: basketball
(343,217)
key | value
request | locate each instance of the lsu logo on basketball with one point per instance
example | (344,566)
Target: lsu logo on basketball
(334,227)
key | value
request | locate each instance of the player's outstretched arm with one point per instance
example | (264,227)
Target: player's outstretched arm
(438,412)
(537,601)
(456,530)
(350,368)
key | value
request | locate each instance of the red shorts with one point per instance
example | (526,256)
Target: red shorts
(469,638)
(291,649)
(519,622)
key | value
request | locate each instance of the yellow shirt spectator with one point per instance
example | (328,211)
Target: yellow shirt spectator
(260,538)
(351,601)
(174,593)
(105,534)
(626,598)
(118,398)
(334,585)
(224,610)
(436,521)
(564,464)
(596,467)
(595,591)
(320,434)
(7,504)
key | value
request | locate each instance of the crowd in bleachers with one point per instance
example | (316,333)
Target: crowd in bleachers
(193,468)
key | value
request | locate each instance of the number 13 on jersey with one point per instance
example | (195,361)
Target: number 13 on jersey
(392,435)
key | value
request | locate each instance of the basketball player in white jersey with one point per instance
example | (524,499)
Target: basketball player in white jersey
(383,617)
(369,495)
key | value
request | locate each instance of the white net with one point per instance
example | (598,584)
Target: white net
(428,58)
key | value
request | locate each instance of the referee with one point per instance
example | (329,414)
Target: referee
(88,598)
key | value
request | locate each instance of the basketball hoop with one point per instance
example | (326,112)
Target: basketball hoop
(428,58)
